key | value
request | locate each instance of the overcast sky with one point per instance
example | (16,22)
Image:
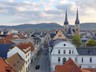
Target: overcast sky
(14,12)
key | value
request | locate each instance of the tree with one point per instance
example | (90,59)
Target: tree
(76,40)
(91,42)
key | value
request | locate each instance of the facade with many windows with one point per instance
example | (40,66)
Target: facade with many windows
(63,50)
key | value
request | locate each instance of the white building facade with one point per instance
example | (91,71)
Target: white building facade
(25,56)
(62,51)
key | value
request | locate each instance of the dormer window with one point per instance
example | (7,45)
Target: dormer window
(59,35)
(64,44)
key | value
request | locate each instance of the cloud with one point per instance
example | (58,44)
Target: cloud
(26,11)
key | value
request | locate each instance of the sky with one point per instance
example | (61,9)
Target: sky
(15,12)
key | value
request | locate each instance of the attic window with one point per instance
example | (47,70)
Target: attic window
(59,35)
(64,44)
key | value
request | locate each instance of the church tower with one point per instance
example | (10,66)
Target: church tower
(66,23)
(77,24)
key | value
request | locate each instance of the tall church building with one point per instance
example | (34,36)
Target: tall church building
(68,30)
(77,24)
(66,23)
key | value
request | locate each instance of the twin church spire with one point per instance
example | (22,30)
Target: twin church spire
(76,21)
(77,18)
(66,19)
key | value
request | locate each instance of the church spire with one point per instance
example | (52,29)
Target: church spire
(66,19)
(77,18)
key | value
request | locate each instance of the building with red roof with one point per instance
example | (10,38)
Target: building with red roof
(4,67)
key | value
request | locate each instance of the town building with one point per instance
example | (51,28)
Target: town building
(70,66)
(63,49)
(4,67)
(5,45)
(17,63)
(25,51)
(68,31)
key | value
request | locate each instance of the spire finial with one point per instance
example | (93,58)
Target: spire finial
(66,18)
(77,17)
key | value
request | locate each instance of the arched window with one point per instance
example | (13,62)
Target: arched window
(82,59)
(64,60)
(69,51)
(58,59)
(64,51)
(90,60)
(58,51)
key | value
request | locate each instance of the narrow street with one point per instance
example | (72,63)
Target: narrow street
(43,61)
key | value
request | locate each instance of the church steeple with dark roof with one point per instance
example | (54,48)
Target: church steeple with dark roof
(77,18)
(66,19)
(77,23)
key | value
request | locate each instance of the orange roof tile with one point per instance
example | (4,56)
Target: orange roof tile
(11,36)
(28,46)
(85,70)
(5,41)
(91,69)
(69,66)
(4,66)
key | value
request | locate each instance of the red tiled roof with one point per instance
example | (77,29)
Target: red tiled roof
(4,66)
(18,36)
(91,69)
(25,46)
(16,62)
(11,36)
(69,66)
(5,41)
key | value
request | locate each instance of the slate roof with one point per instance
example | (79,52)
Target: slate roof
(51,43)
(4,48)
(69,31)
(52,35)
(86,51)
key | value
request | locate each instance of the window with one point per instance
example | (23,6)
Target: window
(59,35)
(72,51)
(64,51)
(90,60)
(69,51)
(64,60)
(82,59)
(58,51)
(64,44)
(58,59)
(76,59)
